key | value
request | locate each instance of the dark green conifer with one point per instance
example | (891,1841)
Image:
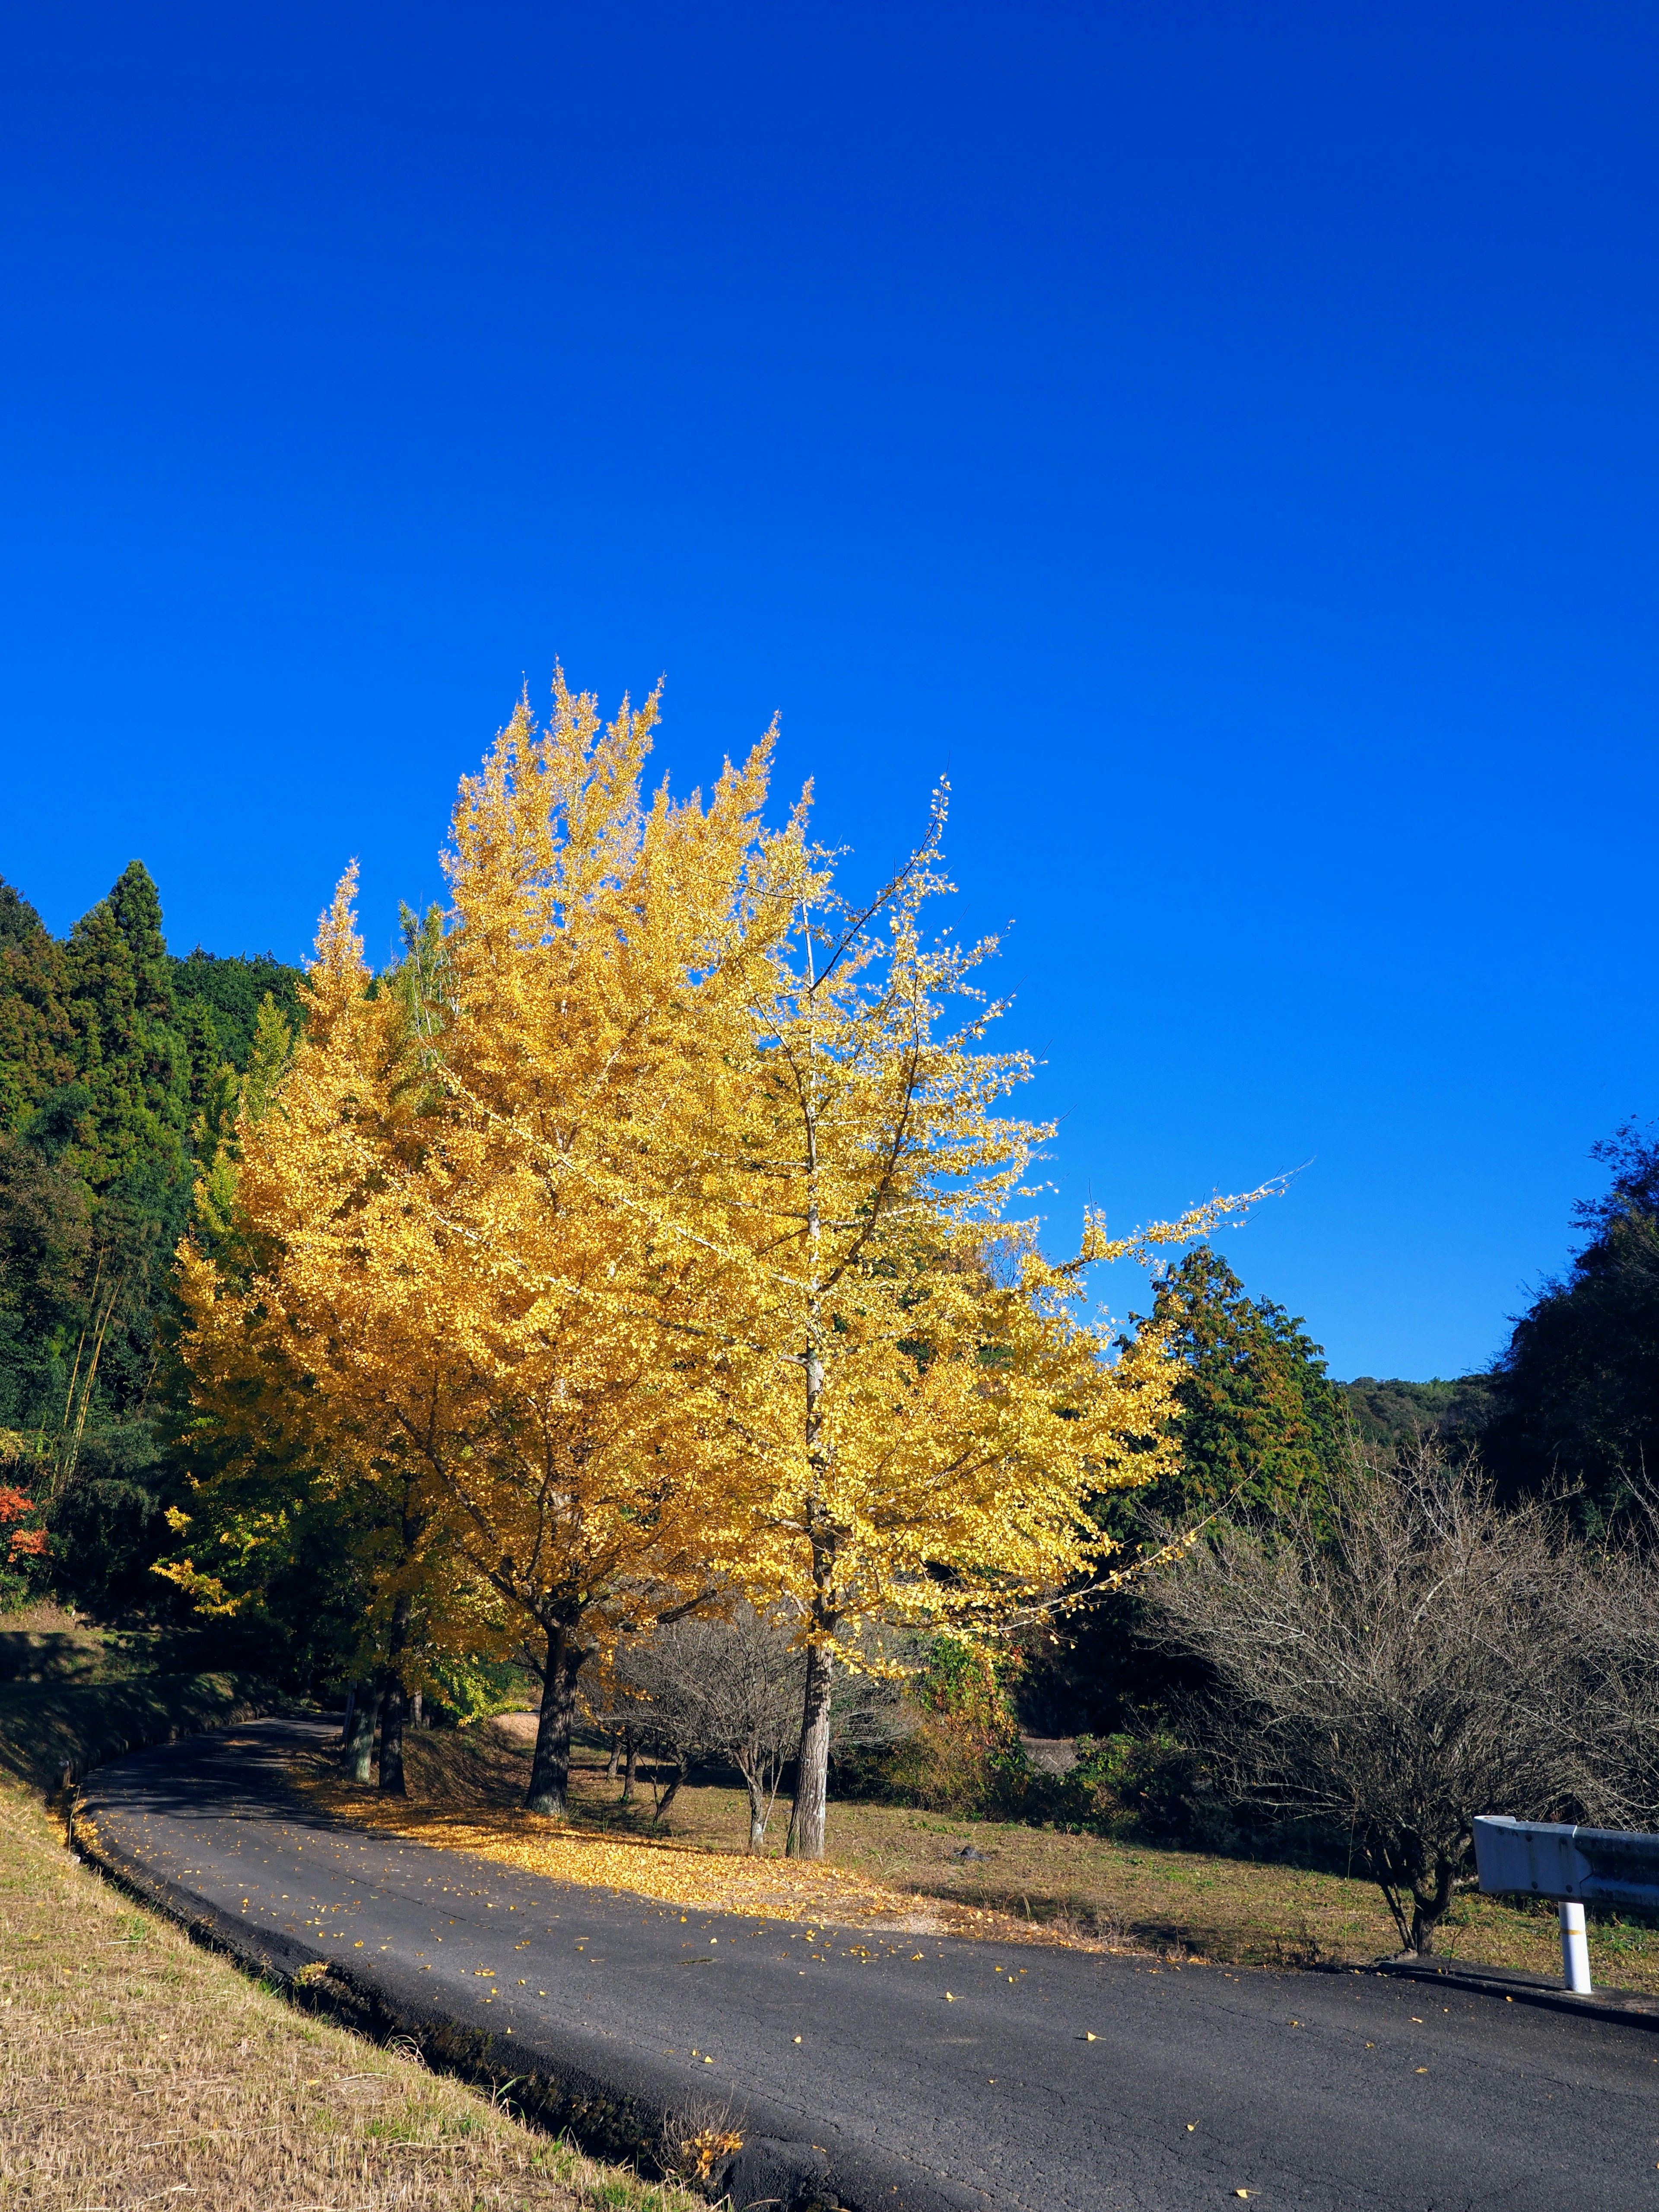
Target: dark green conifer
(1260,1422)
(131,1057)
(37,1040)
(114,1091)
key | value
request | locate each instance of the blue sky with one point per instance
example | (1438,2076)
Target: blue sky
(1223,438)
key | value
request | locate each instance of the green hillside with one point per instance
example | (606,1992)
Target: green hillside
(120,1067)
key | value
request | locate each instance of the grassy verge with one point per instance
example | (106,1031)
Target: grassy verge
(134,2067)
(888,1864)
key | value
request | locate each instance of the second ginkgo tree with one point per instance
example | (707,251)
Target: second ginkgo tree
(912,1408)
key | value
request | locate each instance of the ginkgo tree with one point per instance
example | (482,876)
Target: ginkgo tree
(288,1480)
(909,1394)
(461,1194)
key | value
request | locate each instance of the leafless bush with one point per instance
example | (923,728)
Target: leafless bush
(1390,1666)
(697,2139)
(725,1689)
(731,1689)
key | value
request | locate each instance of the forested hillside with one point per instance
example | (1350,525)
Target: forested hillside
(1389,1413)
(120,1064)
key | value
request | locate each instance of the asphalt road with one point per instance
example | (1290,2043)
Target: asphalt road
(919,2073)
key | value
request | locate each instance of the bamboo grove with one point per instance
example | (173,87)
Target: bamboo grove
(642,1244)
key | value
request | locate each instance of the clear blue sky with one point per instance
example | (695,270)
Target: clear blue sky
(1222,436)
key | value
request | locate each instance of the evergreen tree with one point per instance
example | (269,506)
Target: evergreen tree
(1260,1422)
(229,990)
(36,1040)
(130,1053)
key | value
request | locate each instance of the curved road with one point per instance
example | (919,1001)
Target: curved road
(916,2073)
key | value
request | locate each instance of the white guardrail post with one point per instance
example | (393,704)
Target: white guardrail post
(1575,1948)
(1576,1866)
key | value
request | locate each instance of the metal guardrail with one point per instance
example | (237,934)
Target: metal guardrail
(1574,1866)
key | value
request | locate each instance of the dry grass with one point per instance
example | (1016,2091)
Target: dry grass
(889,1864)
(138,2069)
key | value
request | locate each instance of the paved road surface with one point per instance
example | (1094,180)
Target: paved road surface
(958,2077)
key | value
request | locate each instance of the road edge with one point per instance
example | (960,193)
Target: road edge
(1614,2007)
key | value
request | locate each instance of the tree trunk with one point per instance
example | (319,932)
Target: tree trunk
(391,1740)
(628,1772)
(549,1773)
(615,1753)
(360,1733)
(680,1773)
(395,1706)
(1429,1906)
(806,1815)
(415,1718)
(757,1811)
(351,1707)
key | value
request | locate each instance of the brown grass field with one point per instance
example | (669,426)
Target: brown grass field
(891,1866)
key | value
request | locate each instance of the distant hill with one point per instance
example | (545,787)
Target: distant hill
(1395,1412)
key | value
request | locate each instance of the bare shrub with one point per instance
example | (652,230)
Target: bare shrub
(1389,1665)
(731,1689)
(725,1689)
(696,2140)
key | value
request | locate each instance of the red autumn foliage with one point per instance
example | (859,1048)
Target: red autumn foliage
(26,1543)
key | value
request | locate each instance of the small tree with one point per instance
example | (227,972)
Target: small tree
(731,1689)
(1390,1667)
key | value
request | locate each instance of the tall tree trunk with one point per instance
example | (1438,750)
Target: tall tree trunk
(360,1733)
(806,1815)
(631,1768)
(395,1704)
(549,1773)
